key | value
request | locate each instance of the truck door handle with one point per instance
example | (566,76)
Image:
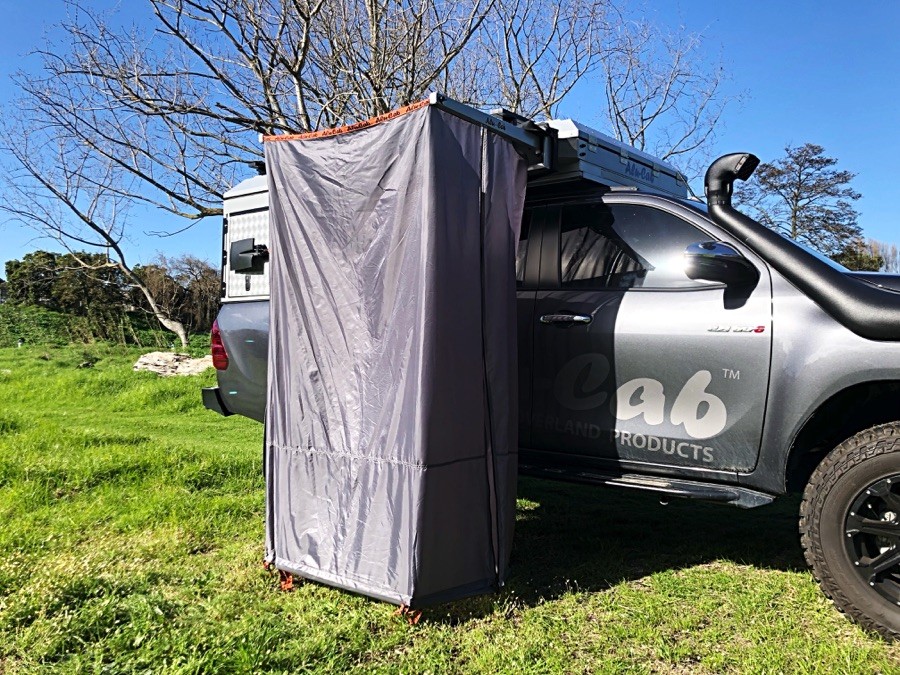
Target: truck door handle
(566,318)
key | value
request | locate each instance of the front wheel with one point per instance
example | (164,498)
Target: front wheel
(850,527)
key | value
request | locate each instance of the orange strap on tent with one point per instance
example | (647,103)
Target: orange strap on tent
(356,126)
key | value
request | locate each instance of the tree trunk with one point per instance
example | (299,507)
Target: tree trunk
(167,322)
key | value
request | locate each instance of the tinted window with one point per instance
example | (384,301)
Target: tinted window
(624,246)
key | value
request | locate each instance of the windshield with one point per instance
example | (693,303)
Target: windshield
(696,204)
(821,256)
(701,207)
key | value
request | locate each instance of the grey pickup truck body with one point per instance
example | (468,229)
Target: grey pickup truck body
(671,346)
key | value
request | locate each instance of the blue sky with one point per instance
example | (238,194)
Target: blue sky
(823,72)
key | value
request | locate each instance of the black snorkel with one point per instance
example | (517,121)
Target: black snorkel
(868,311)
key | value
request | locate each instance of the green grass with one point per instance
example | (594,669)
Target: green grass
(131,530)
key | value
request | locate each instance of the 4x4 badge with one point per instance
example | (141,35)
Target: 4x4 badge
(737,329)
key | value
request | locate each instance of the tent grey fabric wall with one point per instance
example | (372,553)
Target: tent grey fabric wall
(391,412)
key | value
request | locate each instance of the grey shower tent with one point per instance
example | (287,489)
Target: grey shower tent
(391,408)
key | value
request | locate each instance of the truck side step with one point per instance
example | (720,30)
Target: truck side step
(671,487)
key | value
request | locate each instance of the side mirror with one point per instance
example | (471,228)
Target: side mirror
(717,261)
(247,257)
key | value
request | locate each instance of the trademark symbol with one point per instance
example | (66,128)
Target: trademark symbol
(730,374)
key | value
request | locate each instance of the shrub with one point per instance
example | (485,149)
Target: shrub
(36,325)
(40,326)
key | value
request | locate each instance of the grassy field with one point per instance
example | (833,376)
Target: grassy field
(131,530)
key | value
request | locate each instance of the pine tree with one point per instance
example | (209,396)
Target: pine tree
(804,196)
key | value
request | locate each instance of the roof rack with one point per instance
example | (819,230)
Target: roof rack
(586,153)
(563,150)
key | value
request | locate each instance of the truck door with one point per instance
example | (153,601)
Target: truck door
(634,361)
(527,276)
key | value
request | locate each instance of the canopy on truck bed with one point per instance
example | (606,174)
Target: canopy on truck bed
(391,416)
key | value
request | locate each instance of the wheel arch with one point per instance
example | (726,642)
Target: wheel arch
(845,413)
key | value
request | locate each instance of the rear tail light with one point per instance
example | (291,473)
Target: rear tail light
(217,347)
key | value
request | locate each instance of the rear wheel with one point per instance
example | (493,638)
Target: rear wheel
(850,527)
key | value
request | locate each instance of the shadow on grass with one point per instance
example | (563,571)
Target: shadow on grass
(590,538)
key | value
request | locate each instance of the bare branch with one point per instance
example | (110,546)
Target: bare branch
(661,96)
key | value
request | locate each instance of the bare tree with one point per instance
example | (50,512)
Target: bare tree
(661,96)
(185,286)
(167,113)
(532,53)
(178,104)
(64,190)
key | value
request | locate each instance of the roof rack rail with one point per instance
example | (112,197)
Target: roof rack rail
(562,151)
(537,142)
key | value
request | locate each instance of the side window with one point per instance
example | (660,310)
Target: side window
(624,246)
(522,248)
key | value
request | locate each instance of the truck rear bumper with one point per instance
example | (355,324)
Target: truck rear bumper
(212,399)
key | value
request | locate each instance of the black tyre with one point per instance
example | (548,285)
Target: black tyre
(850,527)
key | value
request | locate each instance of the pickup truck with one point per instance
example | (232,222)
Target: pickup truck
(672,346)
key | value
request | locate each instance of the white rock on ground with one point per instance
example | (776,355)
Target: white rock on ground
(169,363)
